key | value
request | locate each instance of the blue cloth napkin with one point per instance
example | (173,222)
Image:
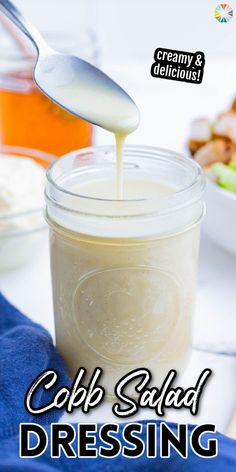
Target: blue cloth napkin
(26,349)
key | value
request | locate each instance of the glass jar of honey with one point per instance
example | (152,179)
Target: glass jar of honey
(27,117)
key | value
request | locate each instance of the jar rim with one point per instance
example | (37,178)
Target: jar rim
(151,217)
(198,180)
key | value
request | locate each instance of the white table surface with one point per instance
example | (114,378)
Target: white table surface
(166,109)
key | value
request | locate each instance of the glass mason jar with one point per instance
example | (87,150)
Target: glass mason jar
(124,271)
(27,117)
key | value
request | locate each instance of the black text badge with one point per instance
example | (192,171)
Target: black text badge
(178,65)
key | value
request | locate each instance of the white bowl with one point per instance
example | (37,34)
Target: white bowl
(22,234)
(220,221)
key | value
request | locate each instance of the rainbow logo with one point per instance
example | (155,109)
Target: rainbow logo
(223,13)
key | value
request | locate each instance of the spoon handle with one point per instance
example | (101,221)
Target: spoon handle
(10,10)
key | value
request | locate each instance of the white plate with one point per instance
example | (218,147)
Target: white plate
(220,221)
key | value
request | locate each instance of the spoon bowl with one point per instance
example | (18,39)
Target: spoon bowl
(85,91)
(76,85)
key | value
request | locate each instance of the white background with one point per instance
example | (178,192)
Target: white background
(132,29)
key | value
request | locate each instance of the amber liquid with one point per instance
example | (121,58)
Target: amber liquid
(30,119)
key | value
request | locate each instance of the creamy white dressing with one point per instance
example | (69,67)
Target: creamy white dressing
(22,225)
(133,189)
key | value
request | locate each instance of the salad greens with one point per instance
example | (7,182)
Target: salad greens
(226,175)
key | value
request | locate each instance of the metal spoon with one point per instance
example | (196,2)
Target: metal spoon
(76,85)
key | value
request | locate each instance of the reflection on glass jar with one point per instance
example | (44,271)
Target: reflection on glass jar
(124,272)
(27,117)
